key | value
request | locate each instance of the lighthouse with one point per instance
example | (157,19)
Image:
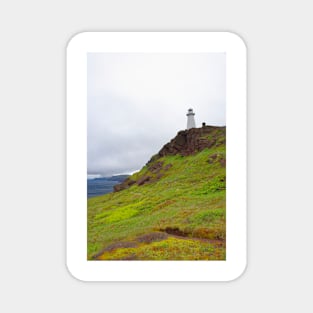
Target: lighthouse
(190,119)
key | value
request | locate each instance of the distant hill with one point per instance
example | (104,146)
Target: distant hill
(103,185)
(174,208)
(118,178)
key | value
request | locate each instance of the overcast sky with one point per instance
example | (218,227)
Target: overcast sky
(137,102)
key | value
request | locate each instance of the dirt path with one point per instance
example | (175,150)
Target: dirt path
(154,237)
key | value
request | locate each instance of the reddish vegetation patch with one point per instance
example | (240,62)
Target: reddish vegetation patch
(212,158)
(130,257)
(120,244)
(217,158)
(159,176)
(168,166)
(164,204)
(207,233)
(202,234)
(151,237)
(114,246)
(223,162)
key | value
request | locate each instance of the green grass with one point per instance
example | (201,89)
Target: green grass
(168,249)
(190,197)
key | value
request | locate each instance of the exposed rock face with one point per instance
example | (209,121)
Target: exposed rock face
(193,140)
(186,142)
(124,185)
(143,180)
(156,167)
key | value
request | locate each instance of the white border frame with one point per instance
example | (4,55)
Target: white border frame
(236,242)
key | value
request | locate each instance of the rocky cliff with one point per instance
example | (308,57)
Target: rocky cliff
(191,141)
(185,143)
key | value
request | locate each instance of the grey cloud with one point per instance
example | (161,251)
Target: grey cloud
(138,102)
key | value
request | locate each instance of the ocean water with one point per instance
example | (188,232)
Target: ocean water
(100,186)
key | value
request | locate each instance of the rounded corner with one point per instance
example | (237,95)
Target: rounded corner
(239,273)
(72,274)
(74,38)
(238,39)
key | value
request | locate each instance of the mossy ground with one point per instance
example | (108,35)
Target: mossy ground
(187,204)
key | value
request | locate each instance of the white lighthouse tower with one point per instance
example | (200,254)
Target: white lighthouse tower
(190,119)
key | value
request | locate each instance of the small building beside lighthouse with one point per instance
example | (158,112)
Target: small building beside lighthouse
(190,119)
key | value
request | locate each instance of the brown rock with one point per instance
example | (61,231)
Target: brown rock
(130,182)
(168,166)
(223,162)
(156,167)
(143,180)
(191,141)
(119,187)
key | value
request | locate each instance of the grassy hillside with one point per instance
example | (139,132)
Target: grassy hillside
(173,209)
